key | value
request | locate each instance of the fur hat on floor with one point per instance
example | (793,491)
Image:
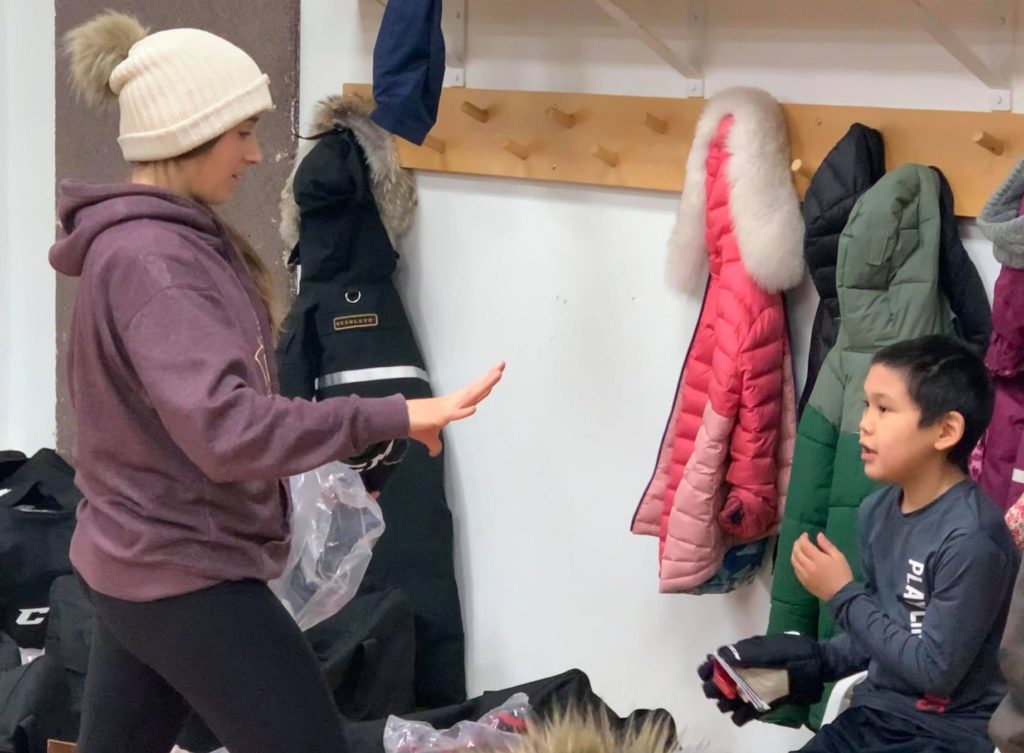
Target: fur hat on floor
(579,732)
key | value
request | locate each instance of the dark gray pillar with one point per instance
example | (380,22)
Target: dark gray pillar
(86,141)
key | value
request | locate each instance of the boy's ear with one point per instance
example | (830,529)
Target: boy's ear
(951,431)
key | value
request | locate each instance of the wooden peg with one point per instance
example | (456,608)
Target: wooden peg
(563,118)
(434,143)
(477,113)
(519,150)
(988,141)
(656,124)
(607,156)
(799,168)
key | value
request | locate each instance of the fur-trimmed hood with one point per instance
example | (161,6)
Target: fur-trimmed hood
(394,187)
(1000,219)
(764,206)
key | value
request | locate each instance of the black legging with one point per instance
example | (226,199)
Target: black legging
(231,652)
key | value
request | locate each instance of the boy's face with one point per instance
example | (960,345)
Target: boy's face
(893,443)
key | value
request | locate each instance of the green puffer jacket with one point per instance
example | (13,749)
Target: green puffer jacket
(888,283)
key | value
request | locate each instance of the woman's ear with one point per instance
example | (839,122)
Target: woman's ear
(951,431)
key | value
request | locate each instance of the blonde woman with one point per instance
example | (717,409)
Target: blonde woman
(182,439)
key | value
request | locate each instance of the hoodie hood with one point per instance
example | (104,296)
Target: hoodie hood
(1000,220)
(86,210)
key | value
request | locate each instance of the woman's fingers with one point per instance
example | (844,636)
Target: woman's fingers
(482,387)
(476,393)
(461,413)
(429,417)
(433,443)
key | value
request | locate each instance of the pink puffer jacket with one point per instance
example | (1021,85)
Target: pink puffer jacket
(723,467)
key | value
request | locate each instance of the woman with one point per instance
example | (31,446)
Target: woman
(182,441)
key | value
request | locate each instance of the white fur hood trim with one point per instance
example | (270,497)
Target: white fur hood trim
(762,200)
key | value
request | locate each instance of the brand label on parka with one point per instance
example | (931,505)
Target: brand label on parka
(360,321)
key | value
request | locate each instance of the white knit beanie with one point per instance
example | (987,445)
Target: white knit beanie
(176,89)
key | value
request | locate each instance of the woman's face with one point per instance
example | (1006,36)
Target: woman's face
(213,175)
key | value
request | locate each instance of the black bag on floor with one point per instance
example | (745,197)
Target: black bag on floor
(10,656)
(69,634)
(548,698)
(368,654)
(32,706)
(42,700)
(37,519)
(10,461)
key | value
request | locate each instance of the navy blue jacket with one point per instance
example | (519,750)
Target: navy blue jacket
(408,68)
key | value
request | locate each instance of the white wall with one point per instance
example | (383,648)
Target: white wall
(27,226)
(565,282)
(5,328)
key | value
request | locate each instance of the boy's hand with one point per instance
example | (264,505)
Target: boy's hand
(822,569)
(798,656)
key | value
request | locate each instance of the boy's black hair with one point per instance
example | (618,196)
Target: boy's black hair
(943,375)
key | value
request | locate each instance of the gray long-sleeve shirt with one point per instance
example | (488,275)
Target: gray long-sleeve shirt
(927,621)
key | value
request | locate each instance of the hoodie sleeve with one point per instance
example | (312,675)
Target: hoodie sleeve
(193,365)
(844,656)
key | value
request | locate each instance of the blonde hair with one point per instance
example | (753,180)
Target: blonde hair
(261,275)
(259,272)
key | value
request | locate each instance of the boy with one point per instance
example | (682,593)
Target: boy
(939,565)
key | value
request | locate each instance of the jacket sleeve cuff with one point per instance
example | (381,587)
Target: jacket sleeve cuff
(376,479)
(377,464)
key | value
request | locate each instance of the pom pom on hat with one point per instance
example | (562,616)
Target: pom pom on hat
(95,49)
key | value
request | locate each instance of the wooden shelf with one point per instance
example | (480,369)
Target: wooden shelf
(616,141)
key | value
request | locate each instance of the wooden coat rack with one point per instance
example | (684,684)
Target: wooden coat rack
(642,142)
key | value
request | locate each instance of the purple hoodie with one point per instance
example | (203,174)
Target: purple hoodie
(182,439)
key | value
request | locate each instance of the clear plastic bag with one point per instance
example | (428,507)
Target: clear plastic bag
(498,730)
(334,525)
